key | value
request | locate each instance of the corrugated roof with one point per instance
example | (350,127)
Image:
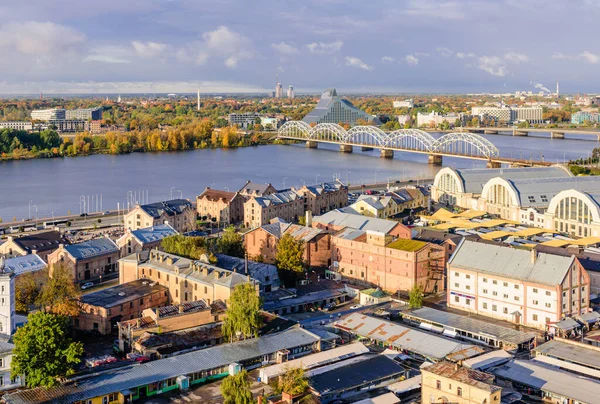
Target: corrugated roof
(170,208)
(153,233)
(401,337)
(358,222)
(549,378)
(278,198)
(24,263)
(48,240)
(472,325)
(130,377)
(537,192)
(511,263)
(571,351)
(119,294)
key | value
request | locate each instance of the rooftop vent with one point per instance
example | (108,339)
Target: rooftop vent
(121,293)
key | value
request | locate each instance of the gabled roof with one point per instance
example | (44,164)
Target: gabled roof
(436,237)
(24,263)
(325,187)
(45,241)
(329,102)
(214,195)
(358,222)
(153,233)
(475,378)
(170,208)
(512,263)
(254,188)
(278,229)
(278,198)
(92,248)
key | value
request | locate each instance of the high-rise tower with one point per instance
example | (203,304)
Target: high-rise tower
(198,107)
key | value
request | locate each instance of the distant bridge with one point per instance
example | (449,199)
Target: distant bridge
(555,133)
(455,144)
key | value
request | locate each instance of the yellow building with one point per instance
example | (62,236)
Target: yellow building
(178,213)
(446,382)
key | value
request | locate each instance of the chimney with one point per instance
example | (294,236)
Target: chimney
(533,255)
(181,309)
(308,221)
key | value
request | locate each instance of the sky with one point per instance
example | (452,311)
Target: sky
(376,46)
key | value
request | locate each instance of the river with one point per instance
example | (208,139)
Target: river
(56,186)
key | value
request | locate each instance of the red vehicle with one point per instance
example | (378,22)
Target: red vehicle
(142,359)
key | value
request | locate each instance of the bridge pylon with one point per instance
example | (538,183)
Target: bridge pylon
(346,148)
(435,159)
(311,144)
(493,164)
(386,153)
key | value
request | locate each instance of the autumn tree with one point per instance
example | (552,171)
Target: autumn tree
(293,381)
(184,246)
(60,295)
(290,259)
(44,351)
(27,289)
(243,313)
(415,297)
(236,389)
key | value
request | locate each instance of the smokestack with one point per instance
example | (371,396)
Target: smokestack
(198,100)
(308,221)
(557,93)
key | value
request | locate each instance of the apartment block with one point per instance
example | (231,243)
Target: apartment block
(178,213)
(89,260)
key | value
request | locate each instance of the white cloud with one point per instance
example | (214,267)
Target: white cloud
(558,55)
(388,59)
(109,54)
(149,49)
(284,48)
(41,41)
(325,47)
(516,57)
(410,60)
(444,51)
(356,62)
(493,65)
(222,43)
(590,57)
(462,55)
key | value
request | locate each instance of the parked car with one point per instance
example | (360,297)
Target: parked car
(356,306)
(330,307)
(87,285)
(142,359)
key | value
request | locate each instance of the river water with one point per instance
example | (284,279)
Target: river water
(56,186)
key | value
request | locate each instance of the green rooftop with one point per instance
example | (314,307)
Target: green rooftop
(374,292)
(404,244)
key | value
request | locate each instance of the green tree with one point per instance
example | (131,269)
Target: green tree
(27,289)
(184,246)
(415,297)
(44,351)
(60,295)
(231,243)
(290,254)
(243,313)
(293,381)
(236,389)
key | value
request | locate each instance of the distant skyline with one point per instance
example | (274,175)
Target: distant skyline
(227,46)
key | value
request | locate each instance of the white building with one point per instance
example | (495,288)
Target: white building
(268,122)
(16,125)
(290,92)
(403,119)
(7,326)
(434,119)
(279,90)
(93,114)
(524,287)
(46,115)
(510,114)
(409,103)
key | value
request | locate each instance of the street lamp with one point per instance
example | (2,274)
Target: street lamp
(284,178)
(36,214)
(303,182)
(317,178)
(29,216)
(180,194)
(172,188)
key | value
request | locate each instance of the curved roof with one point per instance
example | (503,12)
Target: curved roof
(474,179)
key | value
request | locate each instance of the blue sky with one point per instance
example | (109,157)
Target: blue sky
(241,45)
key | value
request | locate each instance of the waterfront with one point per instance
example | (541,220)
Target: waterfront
(55,186)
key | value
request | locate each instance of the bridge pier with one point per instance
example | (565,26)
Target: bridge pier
(557,135)
(493,164)
(366,148)
(311,144)
(520,133)
(435,159)
(346,148)
(386,153)
(490,131)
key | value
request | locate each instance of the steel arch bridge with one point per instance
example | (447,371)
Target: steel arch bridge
(458,144)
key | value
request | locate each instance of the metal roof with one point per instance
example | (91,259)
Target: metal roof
(123,293)
(330,102)
(130,377)
(537,192)
(24,263)
(475,378)
(170,208)
(257,270)
(154,233)
(387,398)
(278,229)
(278,198)
(511,263)
(399,336)
(474,179)
(463,323)
(549,378)
(92,248)
(571,352)
(488,360)
(47,240)
(354,221)
(356,375)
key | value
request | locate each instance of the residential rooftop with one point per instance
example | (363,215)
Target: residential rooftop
(24,263)
(170,208)
(374,292)
(278,198)
(215,195)
(48,240)
(474,378)
(123,293)
(154,233)
(92,248)
(570,351)
(304,233)
(356,221)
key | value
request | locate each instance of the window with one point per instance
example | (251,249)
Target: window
(516,298)
(457,274)
(468,276)
(544,198)
(468,287)
(548,305)
(505,310)
(535,290)
(456,299)
(438,384)
(459,392)
(535,302)
(516,286)
(185,283)
(494,307)
(141,301)
(485,306)
(535,317)
(195,286)
(494,293)
(505,296)
(505,284)
(468,302)
(456,285)
(531,199)
(495,282)
(484,280)
(485,291)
